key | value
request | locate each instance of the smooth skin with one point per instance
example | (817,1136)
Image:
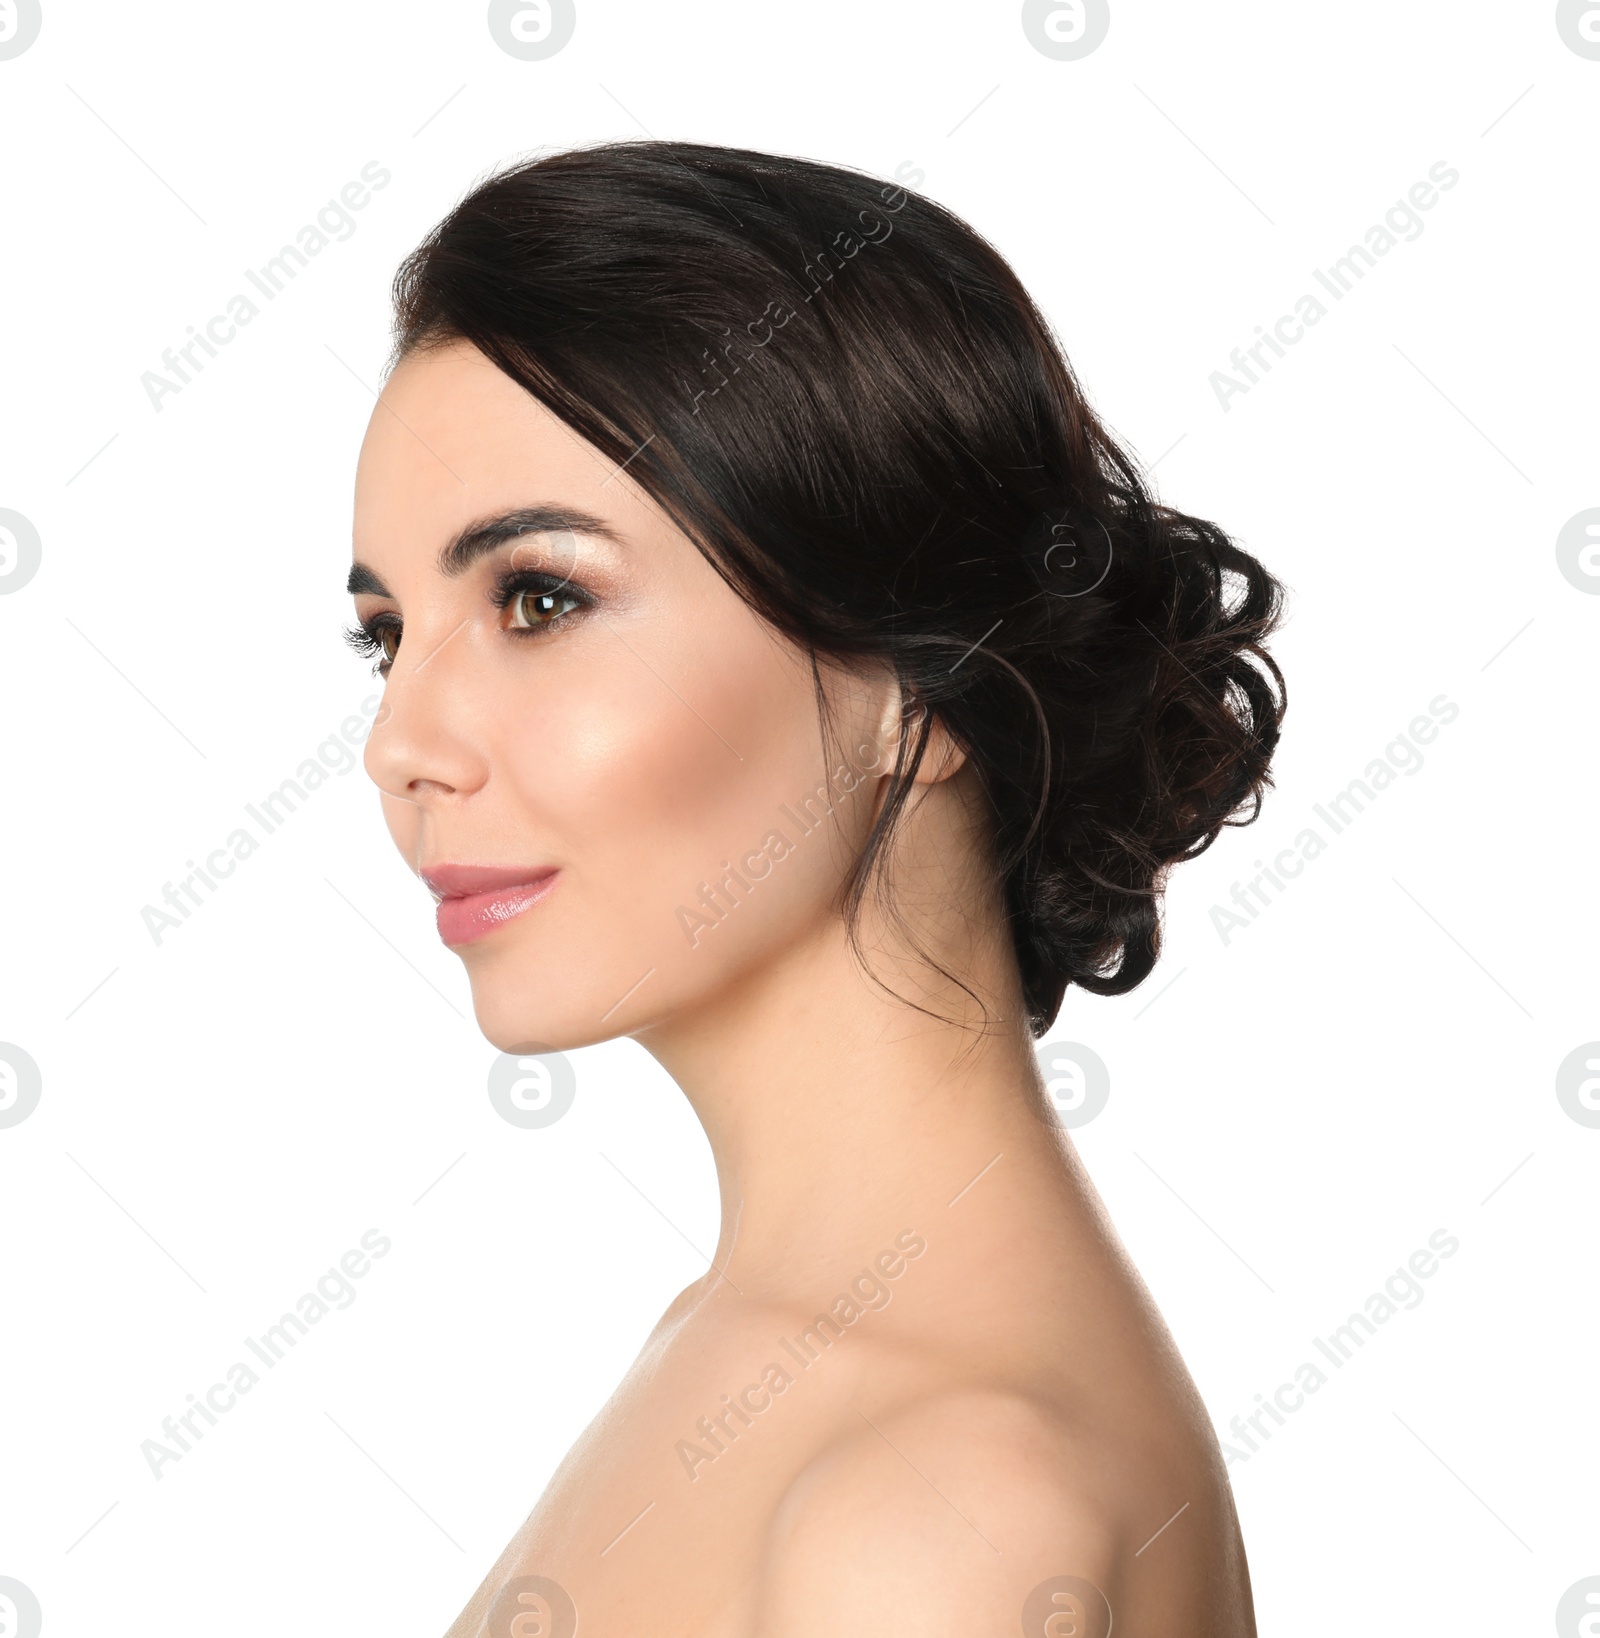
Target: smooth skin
(995,1409)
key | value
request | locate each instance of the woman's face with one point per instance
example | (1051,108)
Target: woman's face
(587,739)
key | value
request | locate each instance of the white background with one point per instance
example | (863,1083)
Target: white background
(1292,1112)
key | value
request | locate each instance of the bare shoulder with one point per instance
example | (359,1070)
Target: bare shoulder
(943,1515)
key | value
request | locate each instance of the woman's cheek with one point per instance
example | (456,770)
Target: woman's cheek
(643,782)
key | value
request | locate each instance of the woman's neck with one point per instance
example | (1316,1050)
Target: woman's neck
(839,1115)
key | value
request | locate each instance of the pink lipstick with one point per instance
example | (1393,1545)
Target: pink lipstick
(476,899)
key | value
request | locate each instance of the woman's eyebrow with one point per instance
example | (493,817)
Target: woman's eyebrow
(480,538)
(364,583)
(487,535)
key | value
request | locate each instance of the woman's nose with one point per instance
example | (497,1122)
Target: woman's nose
(422,745)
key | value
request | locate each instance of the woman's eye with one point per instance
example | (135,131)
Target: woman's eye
(377,639)
(529,610)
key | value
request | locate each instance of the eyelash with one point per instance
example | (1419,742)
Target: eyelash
(366,638)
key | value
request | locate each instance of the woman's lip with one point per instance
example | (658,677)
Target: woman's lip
(474,900)
(453,881)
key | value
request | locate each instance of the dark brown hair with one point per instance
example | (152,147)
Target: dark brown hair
(845,397)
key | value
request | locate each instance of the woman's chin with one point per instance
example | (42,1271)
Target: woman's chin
(520,1031)
(555,1024)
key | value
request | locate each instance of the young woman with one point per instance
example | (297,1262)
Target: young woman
(786,670)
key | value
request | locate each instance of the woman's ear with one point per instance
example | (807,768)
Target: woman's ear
(941,756)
